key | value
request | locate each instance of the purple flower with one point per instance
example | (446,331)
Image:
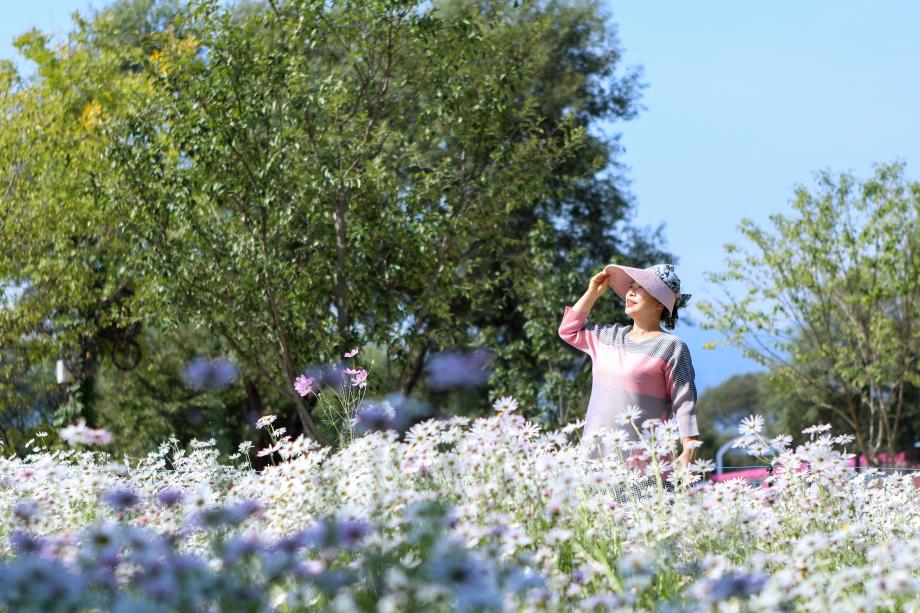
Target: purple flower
(523,578)
(328,533)
(472,579)
(375,417)
(244,510)
(25,543)
(333,580)
(225,371)
(161,587)
(197,372)
(43,584)
(187,564)
(351,532)
(408,409)
(303,385)
(26,511)
(327,376)
(734,583)
(102,577)
(101,538)
(290,544)
(169,497)
(351,353)
(449,369)
(240,547)
(121,498)
(203,374)
(226,516)
(212,517)
(320,535)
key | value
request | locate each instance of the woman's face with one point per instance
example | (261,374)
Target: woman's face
(640,302)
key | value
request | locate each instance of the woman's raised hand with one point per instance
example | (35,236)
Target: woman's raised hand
(598,285)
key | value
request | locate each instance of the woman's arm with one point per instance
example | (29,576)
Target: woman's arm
(596,288)
(688,450)
(681,384)
(572,329)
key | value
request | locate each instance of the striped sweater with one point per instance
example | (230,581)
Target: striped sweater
(654,374)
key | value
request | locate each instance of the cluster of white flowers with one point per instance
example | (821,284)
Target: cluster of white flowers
(581,534)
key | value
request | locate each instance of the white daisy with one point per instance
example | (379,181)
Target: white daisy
(265,420)
(629,415)
(752,424)
(505,404)
(816,429)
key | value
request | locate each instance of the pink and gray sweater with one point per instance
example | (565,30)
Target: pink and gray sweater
(655,374)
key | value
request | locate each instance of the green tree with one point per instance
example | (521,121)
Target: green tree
(328,168)
(65,263)
(831,300)
(550,249)
(67,290)
(301,177)
(724,406)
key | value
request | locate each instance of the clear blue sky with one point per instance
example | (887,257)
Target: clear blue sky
(46,15)
(744,100)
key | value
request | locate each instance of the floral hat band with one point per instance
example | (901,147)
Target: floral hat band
(669,277)
(661,281)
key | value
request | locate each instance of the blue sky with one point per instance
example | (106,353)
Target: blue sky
(744,101)
(46,15)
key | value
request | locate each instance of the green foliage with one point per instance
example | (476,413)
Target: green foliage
(67,288)
(28,397)
(298,178)
(830,300)
(314,152)
(550,250)
(153,403)
(724,406)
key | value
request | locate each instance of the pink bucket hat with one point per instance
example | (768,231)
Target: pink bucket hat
(660,281)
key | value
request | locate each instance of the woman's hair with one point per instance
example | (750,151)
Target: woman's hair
(669,320)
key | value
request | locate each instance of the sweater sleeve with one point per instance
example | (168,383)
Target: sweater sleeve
(682,390)
(575,331)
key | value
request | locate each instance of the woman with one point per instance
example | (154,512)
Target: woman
(637,365)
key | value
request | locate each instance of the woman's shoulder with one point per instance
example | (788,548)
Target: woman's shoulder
(678,347)
(667,346)
(674,339)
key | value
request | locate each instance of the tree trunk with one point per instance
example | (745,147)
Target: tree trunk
(309,426)
(411,375)
(253,398)
(858,431)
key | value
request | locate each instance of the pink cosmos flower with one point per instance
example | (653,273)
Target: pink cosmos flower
(273,448)
(360,379)
(351,353)
(79,433)
(303,385)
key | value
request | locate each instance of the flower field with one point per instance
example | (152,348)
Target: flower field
(457,514)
